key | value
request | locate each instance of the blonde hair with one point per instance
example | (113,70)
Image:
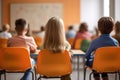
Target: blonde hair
(6,27)
(54,35)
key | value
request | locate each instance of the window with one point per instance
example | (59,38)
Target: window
(106,7)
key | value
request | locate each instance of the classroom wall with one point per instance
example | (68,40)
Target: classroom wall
(71,9)
(91,11)
(117,10)
(112,8)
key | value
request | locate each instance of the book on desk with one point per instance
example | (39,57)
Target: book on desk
(77,52)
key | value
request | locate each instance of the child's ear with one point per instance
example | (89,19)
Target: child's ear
(98,28)
(26,30)
(15,28)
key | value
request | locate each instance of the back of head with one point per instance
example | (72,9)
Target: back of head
(20,25)
(83,27)
(105,25)
(54,35)
(70,27)
(42,28)
(117,27)
(6,27)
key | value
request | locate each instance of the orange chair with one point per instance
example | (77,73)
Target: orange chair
(106,59)
(15,60)
(77,44)
(53,65)
(39,41)
(1,70)
(3,42)
(71,41)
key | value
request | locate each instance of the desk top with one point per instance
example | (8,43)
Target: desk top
(77,52)
(73,52)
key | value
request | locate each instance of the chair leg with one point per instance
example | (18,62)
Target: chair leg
(119,75)
(85,73)
(73,61)
(5,76)
(2,72)
(32,75)
(35,74)
(39,77)
(115,76)
(0,76)
(90,75)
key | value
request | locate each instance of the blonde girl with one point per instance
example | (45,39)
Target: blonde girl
(55,40)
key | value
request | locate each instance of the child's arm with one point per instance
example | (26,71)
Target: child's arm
(90,50)
(32,45)
(68,46)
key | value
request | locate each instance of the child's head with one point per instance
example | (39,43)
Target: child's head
(70,27)
(83,27)
(54,35)
(42,28)
(6,27)
(105,25)
(117,27)
(21,26)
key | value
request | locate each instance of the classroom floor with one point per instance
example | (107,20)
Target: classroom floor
(74,75)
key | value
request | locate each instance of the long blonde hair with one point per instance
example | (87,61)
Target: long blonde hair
(54,35)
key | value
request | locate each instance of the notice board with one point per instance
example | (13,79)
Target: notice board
(36,14)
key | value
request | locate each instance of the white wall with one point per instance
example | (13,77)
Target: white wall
(117,10)
(91,11)
(112,8)
(0,13)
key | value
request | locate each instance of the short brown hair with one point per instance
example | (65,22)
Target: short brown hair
(20,24)
(105,25)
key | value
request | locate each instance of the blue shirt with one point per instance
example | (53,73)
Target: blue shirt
(70,34)
(103,41)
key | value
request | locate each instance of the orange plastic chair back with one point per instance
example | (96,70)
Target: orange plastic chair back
(15,59)
(53,64)
(0,58)
(78,43)
(3,42)
(38,40)
(107,59)
(71,41)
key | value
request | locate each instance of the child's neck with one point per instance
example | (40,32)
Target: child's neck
(20,34)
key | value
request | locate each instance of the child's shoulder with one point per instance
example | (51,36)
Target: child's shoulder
(115,40)
(28,37)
